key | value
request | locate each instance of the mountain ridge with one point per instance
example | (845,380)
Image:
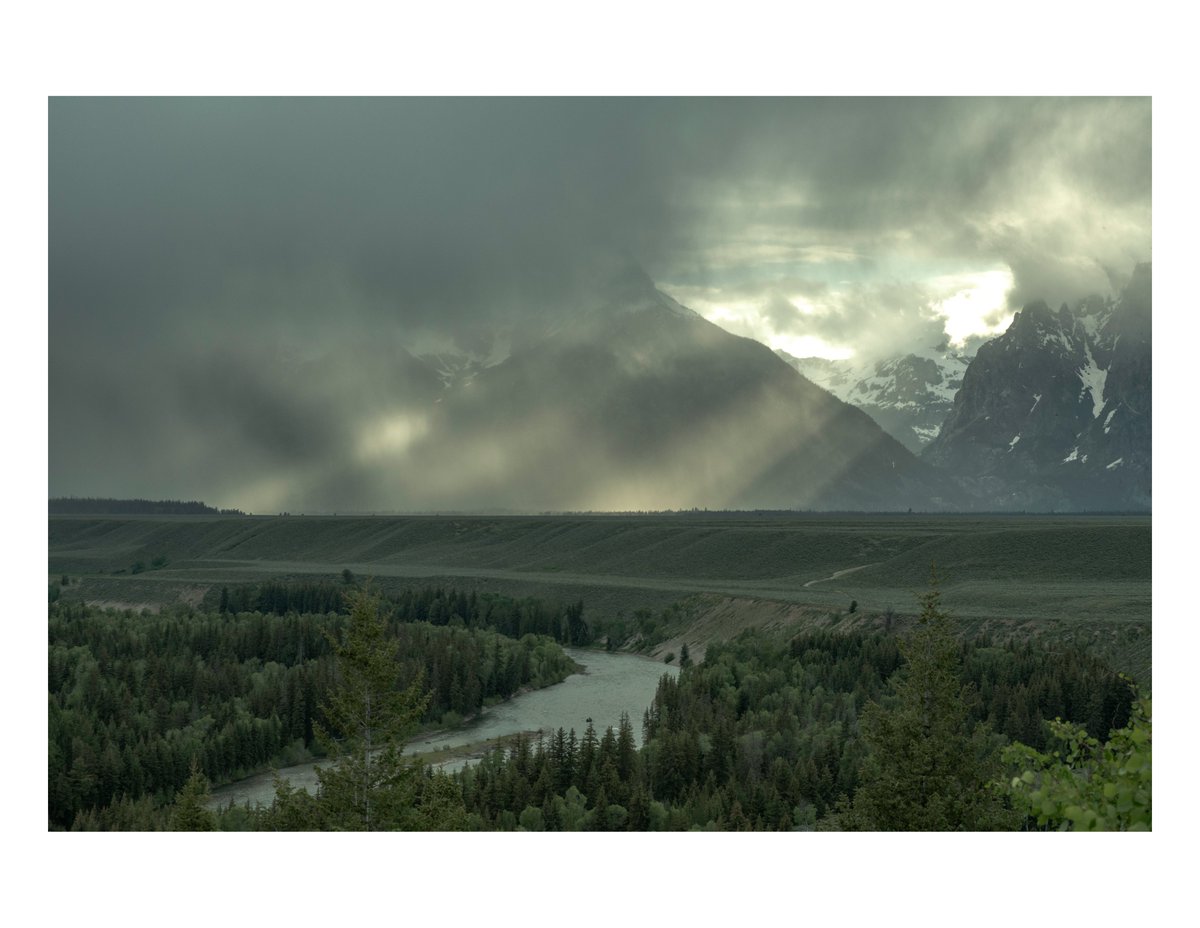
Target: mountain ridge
(1055,413)
(662,409)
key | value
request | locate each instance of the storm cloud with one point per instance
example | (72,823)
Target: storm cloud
(228,277)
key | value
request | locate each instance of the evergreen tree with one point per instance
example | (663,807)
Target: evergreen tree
(371,786)
(190,812)
(927,771)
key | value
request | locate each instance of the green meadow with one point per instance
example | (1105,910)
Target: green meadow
(1068,577)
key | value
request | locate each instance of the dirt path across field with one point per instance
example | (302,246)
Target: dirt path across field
(841,573)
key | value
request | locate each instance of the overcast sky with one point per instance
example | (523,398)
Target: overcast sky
(193,239)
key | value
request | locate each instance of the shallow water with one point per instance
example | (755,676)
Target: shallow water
(609,685)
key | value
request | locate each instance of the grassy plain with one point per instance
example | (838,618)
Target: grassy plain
(1055,577)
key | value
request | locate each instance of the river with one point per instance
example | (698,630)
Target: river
(609,685)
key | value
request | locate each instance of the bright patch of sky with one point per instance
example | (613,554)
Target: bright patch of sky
(750,319)
(977,306)
(810,346)
(839,316)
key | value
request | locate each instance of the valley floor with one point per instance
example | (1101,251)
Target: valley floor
(1085,579)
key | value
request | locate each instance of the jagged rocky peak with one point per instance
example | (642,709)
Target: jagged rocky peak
(1055,412)
(909,380)
(1038,328)
(1035,315)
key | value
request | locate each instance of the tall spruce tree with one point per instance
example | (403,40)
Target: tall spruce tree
(371,786)
(927,770)
(190,811)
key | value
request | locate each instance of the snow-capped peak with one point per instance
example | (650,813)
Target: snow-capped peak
(909,395)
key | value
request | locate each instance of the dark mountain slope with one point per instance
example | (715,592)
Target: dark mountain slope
(1056,412)
(639,403)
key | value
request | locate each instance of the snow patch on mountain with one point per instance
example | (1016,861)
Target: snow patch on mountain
(909,395)
(1093,376)
(1044,395)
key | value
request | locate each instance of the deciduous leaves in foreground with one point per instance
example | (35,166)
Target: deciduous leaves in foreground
(1085,785)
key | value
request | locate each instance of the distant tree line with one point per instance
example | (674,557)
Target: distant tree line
(514,618)
(71,505)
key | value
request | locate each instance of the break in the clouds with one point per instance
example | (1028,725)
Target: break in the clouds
(212,260)
(872,222)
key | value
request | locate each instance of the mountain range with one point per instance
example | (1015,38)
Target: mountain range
(636,402)
(1052,415)
(632,401)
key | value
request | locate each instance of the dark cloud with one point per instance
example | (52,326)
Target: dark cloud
(435,210)
(196,245)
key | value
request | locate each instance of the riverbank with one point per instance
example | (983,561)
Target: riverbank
(610,684)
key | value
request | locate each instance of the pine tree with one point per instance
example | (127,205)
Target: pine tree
(927,771)
(626,749)
(190,812)
(371,786)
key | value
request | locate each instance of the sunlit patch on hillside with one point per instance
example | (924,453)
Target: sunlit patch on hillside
(717,463)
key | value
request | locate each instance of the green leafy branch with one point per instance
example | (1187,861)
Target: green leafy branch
(1084,785)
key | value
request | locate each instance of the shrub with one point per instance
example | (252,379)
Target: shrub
(1086,785)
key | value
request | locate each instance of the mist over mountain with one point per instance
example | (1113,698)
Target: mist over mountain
(640,403)
(631,402)
(1053,414)
(1056,412)
(321,304)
